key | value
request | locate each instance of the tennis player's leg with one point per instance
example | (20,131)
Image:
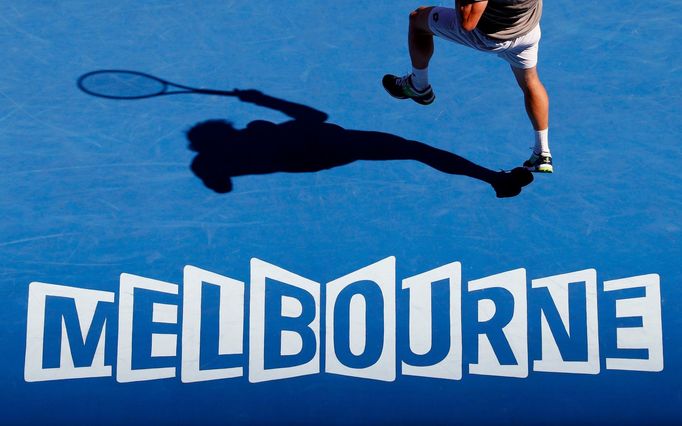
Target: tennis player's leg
(425,23)
(537,107)
(420,38)
(420,43)
(535,97)
(522,56)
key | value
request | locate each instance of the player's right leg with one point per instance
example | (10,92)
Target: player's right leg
(420,38)
(420,42)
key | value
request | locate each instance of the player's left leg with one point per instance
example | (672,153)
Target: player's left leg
(537,106)
(522,55)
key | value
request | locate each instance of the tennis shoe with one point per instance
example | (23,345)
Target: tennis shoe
(402,88)
(539,163)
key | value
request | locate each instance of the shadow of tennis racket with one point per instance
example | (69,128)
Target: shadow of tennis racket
(123,84)
(306,143)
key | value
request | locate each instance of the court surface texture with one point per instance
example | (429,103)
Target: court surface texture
(92,188)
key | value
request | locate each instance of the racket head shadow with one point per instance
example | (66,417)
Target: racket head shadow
(121,84)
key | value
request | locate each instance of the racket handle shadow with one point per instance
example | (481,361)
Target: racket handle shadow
(216,92)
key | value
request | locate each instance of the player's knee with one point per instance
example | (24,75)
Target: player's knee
(419,17)
(528,80)
(533,84)
(533,89)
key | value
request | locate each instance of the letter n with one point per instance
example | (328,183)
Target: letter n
(569,323)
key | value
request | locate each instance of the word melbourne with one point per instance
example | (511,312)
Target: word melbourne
(283,325)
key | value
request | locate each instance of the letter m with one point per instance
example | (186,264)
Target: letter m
(66,332)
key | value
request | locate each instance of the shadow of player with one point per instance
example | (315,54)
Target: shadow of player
(309,144)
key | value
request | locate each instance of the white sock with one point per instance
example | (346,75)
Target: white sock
(541,142)
(420,78)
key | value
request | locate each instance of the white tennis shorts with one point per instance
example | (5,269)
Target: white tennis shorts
(521,52)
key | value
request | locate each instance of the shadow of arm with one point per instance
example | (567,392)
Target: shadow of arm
(293,110)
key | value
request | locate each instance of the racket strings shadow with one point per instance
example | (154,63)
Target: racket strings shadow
(131,85)
(307,143)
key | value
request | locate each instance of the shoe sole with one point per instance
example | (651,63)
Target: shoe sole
(421,102)
(540,169)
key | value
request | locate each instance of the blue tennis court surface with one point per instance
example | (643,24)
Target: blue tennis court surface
(93,188)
